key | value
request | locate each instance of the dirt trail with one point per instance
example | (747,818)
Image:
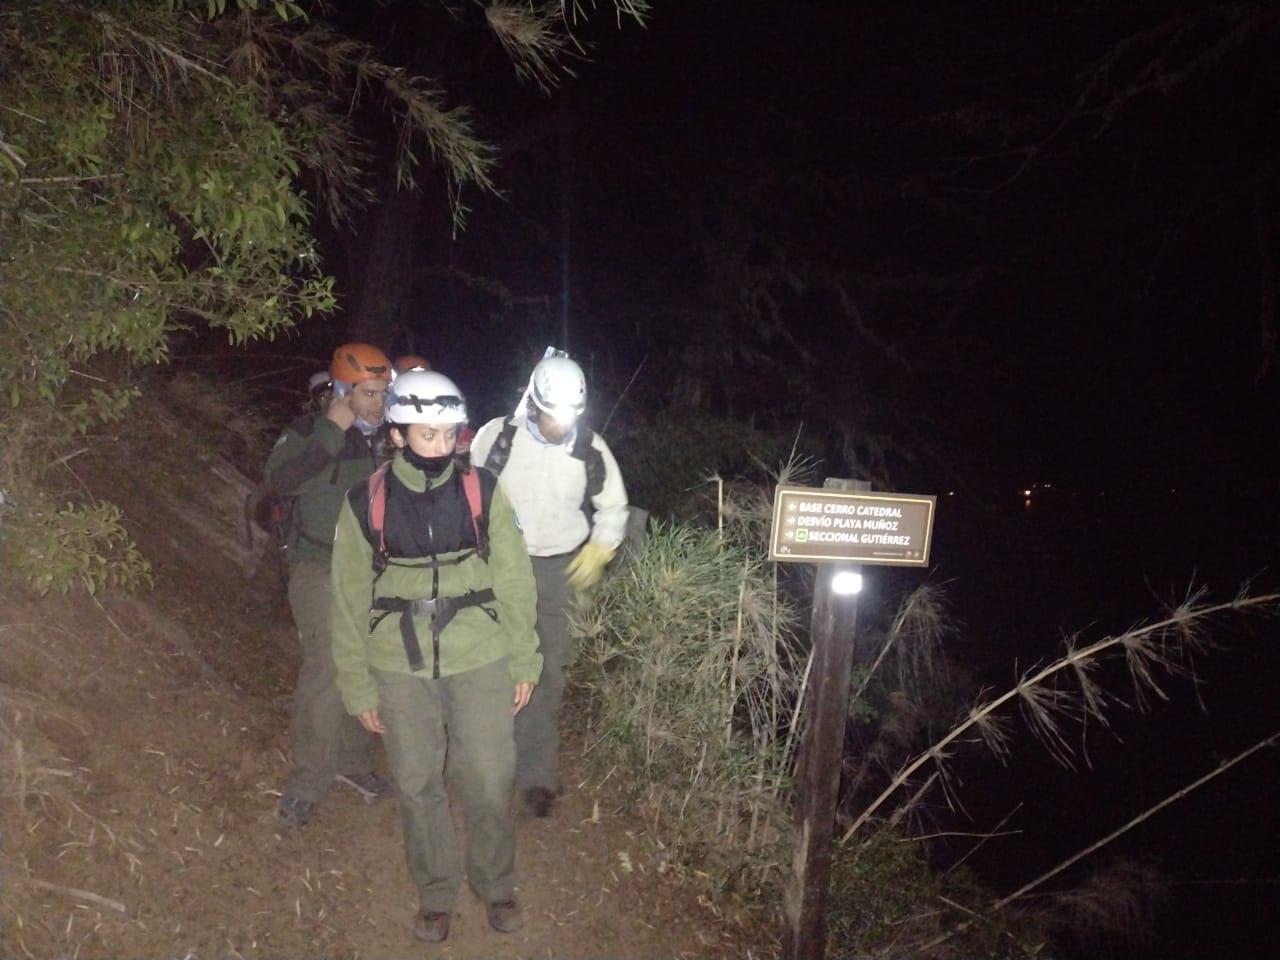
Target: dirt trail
(144,742)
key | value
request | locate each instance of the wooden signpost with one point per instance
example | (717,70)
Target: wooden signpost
(839,527)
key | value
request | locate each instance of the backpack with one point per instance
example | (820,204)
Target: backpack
(583,450)
(441,610)
(270,511)
(377,514)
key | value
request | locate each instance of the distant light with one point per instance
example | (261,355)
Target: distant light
(846,583)
(951,493)
(1026,493)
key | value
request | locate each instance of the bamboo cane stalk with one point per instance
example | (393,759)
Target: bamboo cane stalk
(938,749)
(1099,844)
(1145,815)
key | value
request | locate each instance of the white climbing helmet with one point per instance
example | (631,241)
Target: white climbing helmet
(559,388)
(424,396)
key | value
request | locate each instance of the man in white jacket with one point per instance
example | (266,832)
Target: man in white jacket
(571,503)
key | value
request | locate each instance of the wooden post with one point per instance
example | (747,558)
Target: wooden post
(818,770)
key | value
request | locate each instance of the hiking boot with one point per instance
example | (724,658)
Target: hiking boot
(371,786)
(431,926)
(293,812)
(539,801)
(504,916)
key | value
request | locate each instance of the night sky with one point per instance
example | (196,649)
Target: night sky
(968,248)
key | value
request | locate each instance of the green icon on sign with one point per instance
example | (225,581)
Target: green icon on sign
(802,535)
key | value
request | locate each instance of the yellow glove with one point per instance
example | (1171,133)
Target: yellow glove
(585,569)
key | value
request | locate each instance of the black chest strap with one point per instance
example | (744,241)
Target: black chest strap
(441,610)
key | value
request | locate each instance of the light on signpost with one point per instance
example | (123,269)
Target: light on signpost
(842,526)
(846,583)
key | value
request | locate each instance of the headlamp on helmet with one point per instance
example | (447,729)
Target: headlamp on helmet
(559,389)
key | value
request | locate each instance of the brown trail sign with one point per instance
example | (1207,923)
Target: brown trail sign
(826,526)
(838,527)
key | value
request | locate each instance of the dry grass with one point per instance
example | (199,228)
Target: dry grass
(1119,900)
(217,421)
(46,799)
(697,676)
(694,676)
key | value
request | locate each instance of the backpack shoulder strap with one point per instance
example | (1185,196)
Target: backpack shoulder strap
(478,484)
(592,459)
(377,511)
(500,452)
(471,487)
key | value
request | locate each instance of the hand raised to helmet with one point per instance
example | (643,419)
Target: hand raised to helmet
(340,412)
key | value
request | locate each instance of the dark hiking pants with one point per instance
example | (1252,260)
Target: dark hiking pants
(538,724)
(324,739)
(468,716)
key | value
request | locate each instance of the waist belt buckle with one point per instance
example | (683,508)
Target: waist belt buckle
(426,608)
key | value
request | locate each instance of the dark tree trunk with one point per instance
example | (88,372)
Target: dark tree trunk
(385,301)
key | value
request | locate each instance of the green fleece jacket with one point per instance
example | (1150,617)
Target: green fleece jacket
(315,462)
(472,639)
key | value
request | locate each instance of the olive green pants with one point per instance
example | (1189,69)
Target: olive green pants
(467,716)
(323,738)
(538,724)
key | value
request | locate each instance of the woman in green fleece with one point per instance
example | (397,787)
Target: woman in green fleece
(433,638)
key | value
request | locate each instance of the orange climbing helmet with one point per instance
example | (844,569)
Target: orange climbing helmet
(357,362)
(411,361)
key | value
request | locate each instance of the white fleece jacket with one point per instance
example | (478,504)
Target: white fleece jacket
(546,485)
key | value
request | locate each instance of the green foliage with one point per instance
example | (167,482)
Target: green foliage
(141,193)
(102,405)
(151,195)
(887,901)
(861,711)
(153,156)
(72,547)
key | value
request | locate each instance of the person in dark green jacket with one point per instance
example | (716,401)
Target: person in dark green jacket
(434,605)
(317,459)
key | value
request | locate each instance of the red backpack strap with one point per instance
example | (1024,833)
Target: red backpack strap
(378,506)
(471,487)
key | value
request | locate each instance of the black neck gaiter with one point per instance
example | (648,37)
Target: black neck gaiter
(431,466)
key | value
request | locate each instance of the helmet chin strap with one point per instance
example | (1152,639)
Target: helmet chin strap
(365,427)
